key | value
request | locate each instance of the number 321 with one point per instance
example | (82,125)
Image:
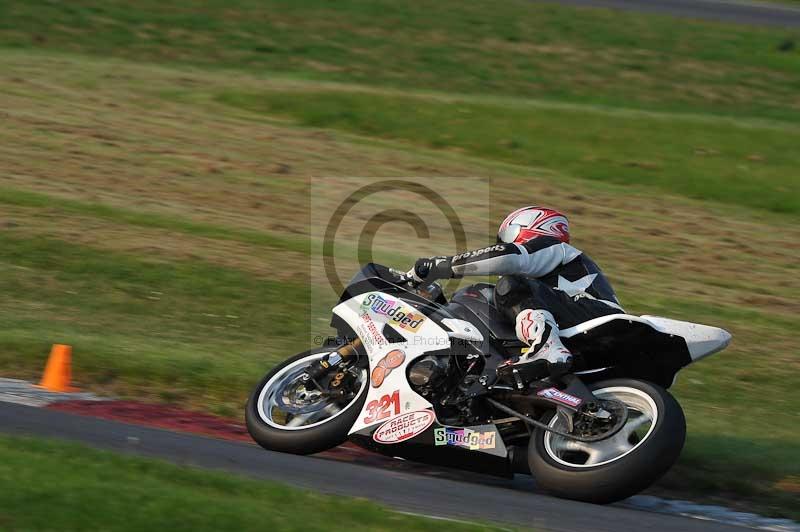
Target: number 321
(381,408)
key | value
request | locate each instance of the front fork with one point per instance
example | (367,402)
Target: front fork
(330,362)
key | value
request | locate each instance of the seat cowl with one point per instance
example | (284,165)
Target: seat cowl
(701,340)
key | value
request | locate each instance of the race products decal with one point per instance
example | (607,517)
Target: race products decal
(382,408)
(397,313)
(404,427)
(468,438)
(392,360)
(557,395)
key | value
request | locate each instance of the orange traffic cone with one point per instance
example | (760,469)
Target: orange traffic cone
(58,372)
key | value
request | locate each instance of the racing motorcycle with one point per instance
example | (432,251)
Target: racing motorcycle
(412,374)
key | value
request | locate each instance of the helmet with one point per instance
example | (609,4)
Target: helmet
(527,223)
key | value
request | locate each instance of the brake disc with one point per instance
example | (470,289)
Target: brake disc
(593,426)
(294,398)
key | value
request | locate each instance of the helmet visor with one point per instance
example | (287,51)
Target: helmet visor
(509,234)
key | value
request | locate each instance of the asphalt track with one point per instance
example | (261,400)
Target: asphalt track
(750,13)
(433,493)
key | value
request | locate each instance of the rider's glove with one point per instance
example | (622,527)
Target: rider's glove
(432,268)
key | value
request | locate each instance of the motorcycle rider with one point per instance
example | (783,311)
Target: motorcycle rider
(545,285)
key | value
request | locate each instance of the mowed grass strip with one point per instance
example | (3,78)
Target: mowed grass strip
(739,163)
(67,207)
(513,48)
(54,485)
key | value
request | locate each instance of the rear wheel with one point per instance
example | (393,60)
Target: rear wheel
(609,470)
(289,414)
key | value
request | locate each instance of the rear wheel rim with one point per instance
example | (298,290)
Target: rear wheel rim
(643,415)
(284,403)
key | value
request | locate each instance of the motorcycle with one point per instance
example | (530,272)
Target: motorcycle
(412,374)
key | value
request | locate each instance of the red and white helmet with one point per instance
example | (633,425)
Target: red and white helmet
(527,223)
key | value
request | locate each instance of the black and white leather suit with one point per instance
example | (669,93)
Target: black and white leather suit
(543,273)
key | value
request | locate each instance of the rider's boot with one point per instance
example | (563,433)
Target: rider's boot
(546,356)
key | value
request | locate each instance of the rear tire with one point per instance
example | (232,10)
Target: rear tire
(300,440)
(618,477)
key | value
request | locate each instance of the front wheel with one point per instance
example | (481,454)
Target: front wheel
(615,468)
(289,414)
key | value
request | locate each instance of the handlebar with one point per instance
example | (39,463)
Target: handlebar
(405,277)
(428,290)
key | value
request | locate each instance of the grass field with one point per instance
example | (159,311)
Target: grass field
(517,48)
(95,490)
(679,154)
(154,194)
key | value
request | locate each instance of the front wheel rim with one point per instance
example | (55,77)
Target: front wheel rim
(313,411)
(641,423)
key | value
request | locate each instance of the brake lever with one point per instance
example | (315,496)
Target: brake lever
(400,277)
(410,279)
(405,277)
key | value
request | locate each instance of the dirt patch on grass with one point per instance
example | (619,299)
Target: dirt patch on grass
(161,416)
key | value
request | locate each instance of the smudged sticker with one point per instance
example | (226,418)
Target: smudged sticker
(386,309)
(464,437)
(404,427)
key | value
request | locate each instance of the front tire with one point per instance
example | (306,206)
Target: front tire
(611,470)
(312,437)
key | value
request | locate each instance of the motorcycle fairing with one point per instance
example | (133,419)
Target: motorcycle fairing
(645,347)
(439,444)
(376,278)
(700,340)
(368,325)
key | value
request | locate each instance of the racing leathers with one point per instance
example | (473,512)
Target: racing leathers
(545,285)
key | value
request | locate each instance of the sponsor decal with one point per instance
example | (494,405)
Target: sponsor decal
(557,395)
(470,439)
(404,427)
(382,408)
(369,333)
(396,312)
(478,252)
(392,360)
